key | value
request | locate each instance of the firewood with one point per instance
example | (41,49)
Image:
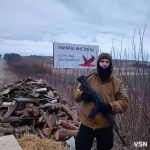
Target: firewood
(41,90)
(41,119)
(30,118)
(47,112)
(7,104)
(11,119)
(54,101)
(52,119)
(35,111)
(47,96)
(33,130)
(24,129)
(20,106)
(16,129)
(55,128)
(6,98)
(7,130)
(5,92)
(66,109)
(9,86)
(45,106)
(44,125)
(47,131)
(37,95)
(22,93)
(34,90)
(43,109)
(74,115)
(2,113)
(10,110)
(24,113)
(6,125)
(26,100)
(57,106)
(40,133)
(50,94)
(75,124)
(16,124)
(65,134)
(1,101)
(29,105)
(41,112)
(47,120)
(40,81)
(61,118)
(52,107)
(61,114)
(68,125)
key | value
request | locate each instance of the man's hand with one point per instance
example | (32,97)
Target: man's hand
(105,108)
(86,96)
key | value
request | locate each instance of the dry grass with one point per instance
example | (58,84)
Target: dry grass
(29,68)
(32,142)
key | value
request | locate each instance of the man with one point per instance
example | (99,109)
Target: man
(115,98)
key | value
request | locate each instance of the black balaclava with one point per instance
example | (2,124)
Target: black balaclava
(104,74)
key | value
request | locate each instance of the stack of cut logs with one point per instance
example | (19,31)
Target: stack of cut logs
(35,107)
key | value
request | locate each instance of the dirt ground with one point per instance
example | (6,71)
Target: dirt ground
(6,76)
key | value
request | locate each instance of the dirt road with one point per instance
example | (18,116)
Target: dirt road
(6,76)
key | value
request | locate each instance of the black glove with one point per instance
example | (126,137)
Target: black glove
(87,97)
(105,108)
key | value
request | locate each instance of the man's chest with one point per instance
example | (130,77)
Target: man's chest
(105,90)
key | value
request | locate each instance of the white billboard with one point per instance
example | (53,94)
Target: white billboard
(75,55)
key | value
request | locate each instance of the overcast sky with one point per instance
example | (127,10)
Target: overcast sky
(30,27)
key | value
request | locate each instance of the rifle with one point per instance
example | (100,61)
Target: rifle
(98,101)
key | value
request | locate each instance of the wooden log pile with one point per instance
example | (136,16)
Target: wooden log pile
(34,106)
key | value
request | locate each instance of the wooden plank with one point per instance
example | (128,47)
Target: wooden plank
(9,143)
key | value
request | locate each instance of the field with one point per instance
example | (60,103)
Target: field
(134,123)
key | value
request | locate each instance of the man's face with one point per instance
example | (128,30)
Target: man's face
(104,63)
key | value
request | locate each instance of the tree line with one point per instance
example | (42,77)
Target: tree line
(12,57)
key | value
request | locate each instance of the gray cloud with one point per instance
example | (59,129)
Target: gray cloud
(31,26)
